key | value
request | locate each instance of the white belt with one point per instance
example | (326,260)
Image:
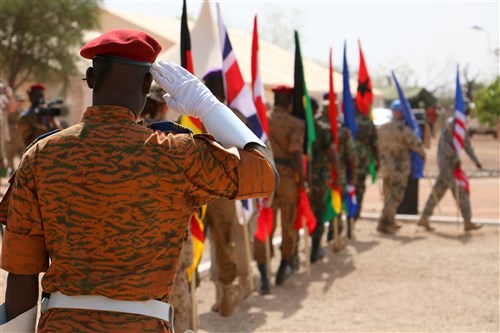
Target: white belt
(151,308)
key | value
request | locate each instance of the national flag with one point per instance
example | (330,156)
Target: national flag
(304,212)
(245,210)
(459,129)
(332,107)
(460,117)
(197,232)
(187,62)
(238,96)
(301,102)
(351,203)
(257,85)
(417,163)
(264,223)
(332,203)
(347,102)
(364,95)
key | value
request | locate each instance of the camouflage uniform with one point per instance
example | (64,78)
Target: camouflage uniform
(365,150)
(448,161)
(109,206)
(287,137)
(395,141)
(320,172)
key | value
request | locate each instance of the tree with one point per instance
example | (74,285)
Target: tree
(487,102)
(40,39)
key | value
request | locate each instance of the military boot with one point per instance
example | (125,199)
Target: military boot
(218,296)
(232,295)
(284,272)
(386,229)
(424,222)
(265,286)
(469,226)
(317,252)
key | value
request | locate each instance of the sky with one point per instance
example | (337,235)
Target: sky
(426,39)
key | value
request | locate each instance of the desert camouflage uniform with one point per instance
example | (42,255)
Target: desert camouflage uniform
(347,157)
(395,141)
(287,136)
(448,161)
(365,149)
(115,199)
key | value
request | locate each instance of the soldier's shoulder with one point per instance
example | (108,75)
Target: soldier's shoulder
(41,138)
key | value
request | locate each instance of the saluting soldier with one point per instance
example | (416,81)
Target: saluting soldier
(102,207)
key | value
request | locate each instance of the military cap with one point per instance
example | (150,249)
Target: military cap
(156,94)
(396,105)
(282,89)
(37,86)
(214,73)
(126,46)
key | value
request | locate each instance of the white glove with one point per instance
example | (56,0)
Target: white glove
(185,93)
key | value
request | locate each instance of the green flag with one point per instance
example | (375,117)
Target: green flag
(301,101)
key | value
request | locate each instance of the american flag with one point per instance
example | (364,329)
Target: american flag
(459,133)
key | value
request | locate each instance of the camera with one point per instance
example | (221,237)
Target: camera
(54,108)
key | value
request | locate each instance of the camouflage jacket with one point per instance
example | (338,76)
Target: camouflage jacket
(365,144)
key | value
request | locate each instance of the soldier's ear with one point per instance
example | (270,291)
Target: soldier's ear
(89,77)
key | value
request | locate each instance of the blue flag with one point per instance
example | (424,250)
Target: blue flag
(417,163)
(348,103)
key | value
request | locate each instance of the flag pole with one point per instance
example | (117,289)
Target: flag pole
(194,317)
(306,246)
(249,258)
(457,192)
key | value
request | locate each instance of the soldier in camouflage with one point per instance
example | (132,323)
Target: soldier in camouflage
(324,160)
(365,149)
(448,161)
(395,141)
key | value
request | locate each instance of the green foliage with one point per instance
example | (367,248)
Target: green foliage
(40,39)
(487,101)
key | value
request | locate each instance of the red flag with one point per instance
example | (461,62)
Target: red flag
(187,62)
(197,232)
(332,108)
(304,211)
(364,96)
(461,179)
(257,86)
(264,223)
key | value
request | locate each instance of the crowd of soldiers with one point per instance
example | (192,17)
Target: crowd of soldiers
(332,165)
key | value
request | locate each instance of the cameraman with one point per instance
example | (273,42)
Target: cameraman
(36,121)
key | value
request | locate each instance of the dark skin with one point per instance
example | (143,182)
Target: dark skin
(37,97)
(123,85)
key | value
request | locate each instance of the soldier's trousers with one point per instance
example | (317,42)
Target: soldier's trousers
(285,200)
(317,200)
(394,191)
(445,181)
(360,190)
(220,220)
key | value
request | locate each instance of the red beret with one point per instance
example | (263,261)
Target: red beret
(282,89)
(137,47)
(37,86)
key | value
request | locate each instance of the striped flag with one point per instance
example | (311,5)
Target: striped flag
(459,133)
(350,201)
(417,163)
(257,86)
(301,102)
(197,231)
(192,123)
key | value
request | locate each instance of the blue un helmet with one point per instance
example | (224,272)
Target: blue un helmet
(396,105)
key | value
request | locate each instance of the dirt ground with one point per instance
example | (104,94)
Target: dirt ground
(445,281)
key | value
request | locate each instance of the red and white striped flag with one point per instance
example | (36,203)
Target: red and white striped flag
(459,129)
